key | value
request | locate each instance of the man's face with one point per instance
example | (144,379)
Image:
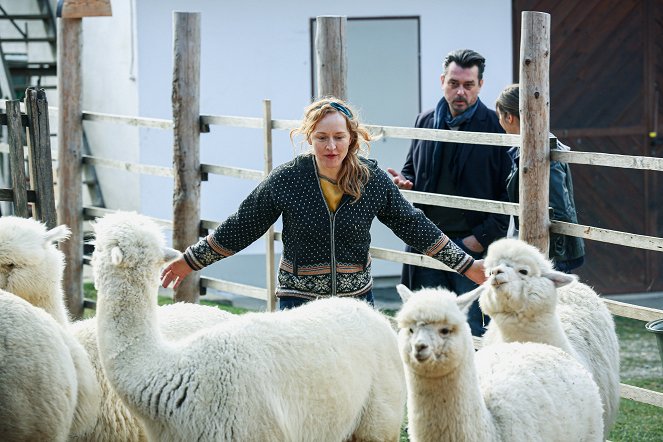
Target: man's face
(461,87)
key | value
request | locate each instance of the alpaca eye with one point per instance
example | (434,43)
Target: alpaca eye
(444,331)
(522,271)
(410,330)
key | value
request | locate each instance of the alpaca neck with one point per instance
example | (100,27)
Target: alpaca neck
(450,407)
(126,315)
(51,300)
(544,328)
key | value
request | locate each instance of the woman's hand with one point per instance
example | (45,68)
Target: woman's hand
(175,272)
(477,272)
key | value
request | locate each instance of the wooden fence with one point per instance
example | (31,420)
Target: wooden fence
(32,193)
(534,86)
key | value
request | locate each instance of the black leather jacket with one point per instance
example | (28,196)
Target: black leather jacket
(316,240)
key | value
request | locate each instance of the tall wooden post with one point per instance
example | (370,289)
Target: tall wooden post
(331,56)
(186,148)
(70,139)
(534,129)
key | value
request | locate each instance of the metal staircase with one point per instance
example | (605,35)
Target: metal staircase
(28,52)
(27,46)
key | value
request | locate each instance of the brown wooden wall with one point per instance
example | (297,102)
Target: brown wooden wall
(606,69)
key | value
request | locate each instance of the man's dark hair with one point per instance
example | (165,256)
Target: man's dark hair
(465,58)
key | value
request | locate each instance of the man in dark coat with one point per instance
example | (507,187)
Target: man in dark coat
(467,170)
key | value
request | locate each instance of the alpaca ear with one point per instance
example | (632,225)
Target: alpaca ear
(116,256)
(170,254)
(560,279)
(404,292)
(464,301)
(57,234)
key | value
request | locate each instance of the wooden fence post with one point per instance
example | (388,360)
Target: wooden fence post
(70,139)
(332,56)
(39,145)
(15,133)
(270,281)
(535,129)
(186,139)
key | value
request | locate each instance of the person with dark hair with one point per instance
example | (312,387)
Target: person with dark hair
(567,252)
(467,170)
(328,199)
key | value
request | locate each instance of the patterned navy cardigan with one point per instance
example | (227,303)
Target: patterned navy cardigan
(316,240)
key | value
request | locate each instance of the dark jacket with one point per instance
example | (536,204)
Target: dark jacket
(563,248)
(315,240)
(481,173)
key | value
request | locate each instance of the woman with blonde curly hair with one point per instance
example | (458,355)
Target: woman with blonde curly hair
(328,199)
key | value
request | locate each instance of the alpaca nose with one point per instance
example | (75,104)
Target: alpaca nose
(420,346)
(496,271)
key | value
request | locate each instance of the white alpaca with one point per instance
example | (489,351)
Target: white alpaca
(38,383)
(508,392)
(529,301)
(328,370)
(114,421)
(31,268)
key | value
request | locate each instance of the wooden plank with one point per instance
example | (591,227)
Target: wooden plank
(609,160)
(452,136)
(15,132)
(458,202)
(642,395)
(285,124)
(186,142)
(4,119)
(416,259)
(270,277)
(633,311)
(237,172)
(91,212)
(128,166)
(8,195)
(233,287)
(608,236)
(331,56)
(155,123)
(534,169)
(39,148)
(248,122)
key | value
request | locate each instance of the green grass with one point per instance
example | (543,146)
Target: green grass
(640,366)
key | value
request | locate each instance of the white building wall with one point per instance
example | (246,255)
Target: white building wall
(251,50)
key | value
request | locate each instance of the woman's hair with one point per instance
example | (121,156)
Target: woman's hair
(507,102)
(354,174)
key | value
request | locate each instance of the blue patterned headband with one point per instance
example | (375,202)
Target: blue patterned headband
(339,107)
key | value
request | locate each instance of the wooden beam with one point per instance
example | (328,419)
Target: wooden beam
(535,129)
(84,8)
(270,277)
(70,148)
(331,56)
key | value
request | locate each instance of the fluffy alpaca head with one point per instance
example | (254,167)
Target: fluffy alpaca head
(434,337)
(129,241)
(29,259)
(520,280)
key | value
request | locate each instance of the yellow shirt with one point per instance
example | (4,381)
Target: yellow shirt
(331,192)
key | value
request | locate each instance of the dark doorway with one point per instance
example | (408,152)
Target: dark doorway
(605,76)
